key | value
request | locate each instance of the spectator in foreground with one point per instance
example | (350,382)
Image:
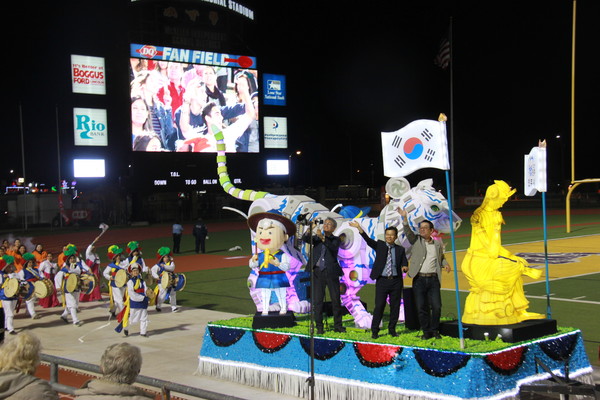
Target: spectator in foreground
(120,365)
(19,358)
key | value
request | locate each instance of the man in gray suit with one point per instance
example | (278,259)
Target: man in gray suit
(426,263)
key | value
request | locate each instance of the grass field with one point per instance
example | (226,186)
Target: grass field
(575,300)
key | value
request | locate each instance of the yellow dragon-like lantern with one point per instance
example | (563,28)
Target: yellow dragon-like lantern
(495,274)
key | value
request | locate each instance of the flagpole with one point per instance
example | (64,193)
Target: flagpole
(536,181)
(59,186)
(23,161)
(548,308)
(450,39)
(459,312)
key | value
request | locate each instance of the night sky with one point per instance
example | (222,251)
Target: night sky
(353,69)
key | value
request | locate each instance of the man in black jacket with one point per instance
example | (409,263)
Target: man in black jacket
(390,262)
(327,272)
(200,232)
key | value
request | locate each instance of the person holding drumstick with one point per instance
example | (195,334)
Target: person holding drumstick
(31,274)
(9,300)
(135,256)
(92,261)
(137,300)
(48,270)
(70,294)
(165,265)
(116,274)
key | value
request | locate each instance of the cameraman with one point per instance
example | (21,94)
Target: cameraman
(326,272)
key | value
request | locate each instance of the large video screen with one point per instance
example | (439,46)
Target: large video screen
(181,99)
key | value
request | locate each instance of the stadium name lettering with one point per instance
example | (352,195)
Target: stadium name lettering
(233,6)
(194,56)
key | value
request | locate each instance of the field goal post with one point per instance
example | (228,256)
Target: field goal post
(574,183)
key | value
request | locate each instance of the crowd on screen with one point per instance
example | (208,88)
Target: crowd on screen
(180,107)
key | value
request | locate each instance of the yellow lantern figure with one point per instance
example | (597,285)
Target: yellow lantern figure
(495,274)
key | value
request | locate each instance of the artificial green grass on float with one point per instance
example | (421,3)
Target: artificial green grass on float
(405,337)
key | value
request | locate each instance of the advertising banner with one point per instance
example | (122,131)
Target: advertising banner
(90,128)
(88,74)
(274,90)
(275,132)
(162,53)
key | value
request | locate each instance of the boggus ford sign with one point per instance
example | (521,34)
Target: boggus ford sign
(88,74)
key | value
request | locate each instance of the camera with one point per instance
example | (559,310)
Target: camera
(303,219)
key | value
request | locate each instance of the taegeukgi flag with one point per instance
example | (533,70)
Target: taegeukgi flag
(420,144)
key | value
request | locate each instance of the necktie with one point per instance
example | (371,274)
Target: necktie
(321,262)
(387,271)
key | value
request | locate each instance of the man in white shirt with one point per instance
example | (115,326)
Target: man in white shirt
(426,263)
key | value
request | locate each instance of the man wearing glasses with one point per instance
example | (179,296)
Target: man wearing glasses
(390,262)
(426,263)
(327,272)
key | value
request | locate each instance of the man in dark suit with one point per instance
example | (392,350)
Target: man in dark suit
(390,262)
(200,233)
(327,272)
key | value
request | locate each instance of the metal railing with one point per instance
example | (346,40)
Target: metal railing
(164,387)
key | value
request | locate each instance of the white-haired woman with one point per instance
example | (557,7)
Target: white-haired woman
(19,358)
(120,364)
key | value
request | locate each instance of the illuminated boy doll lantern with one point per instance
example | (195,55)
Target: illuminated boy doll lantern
(272,230)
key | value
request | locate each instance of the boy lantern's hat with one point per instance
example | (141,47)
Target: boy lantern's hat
(254,219)
(132,246)
(163,251)
(114,251)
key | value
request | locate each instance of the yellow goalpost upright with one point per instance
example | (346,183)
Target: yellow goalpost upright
(574,183)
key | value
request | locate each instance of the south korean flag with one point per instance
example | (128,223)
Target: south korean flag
(420,144)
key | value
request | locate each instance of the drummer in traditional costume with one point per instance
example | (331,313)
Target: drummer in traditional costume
(136,308)
(62,257)
(8,300)
(135,256)
(70,295)
(272,231)
(92,261)
(165,265)
(116,274)
(48,270)
(31,274)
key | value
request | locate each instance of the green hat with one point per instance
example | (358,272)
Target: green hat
(71,246)
(163,251)
(8,259)
(70,251)
(114,251)
(28,257)
(132,246)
